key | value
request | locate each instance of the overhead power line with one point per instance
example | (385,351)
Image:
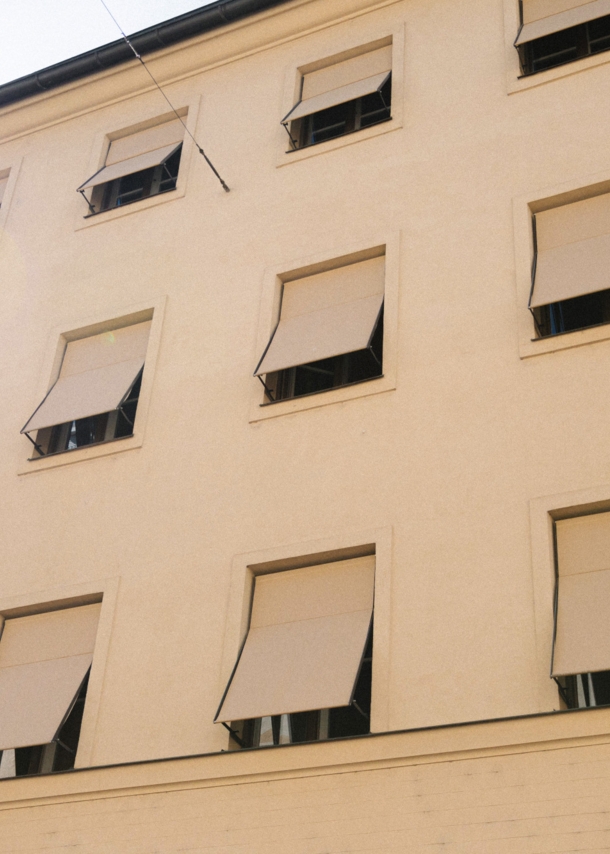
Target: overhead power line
(150,74)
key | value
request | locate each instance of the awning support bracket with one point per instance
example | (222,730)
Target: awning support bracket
(562,691)
(36,445)
(268,391)
(89,205)
(233,734)
(293,141)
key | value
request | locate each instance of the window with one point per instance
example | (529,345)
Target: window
(581,654)
(304,672)
(329,332)
(137,166)
(44,670)
(341,98)
(95,396)
(555,32)
(571,288)
(3,183)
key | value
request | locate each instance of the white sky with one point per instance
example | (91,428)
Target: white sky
(37,33)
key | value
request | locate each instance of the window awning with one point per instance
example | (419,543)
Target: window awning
(573,251)
(43,661)
(326,315)
(307,635)
(543,17)
(142,150)
(96,375)
(338,96)
(343,81)
(582,642)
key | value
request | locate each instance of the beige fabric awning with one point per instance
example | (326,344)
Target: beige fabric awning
(308,631)
(96,374)
(582,643)
(543,17)
(338,96)
(142,150)
(43,661)
(342,82)
(326,315)
(573,251)
(3,183)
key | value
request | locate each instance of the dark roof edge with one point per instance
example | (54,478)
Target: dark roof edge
(202,20)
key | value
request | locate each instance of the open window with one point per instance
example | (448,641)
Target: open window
(554,32)
(95,396)
(341,98)
(329,332)
(44,669)
(137,166)
(571,280)
(581,654)
(304,671)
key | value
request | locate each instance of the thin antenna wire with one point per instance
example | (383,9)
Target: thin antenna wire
(138,57)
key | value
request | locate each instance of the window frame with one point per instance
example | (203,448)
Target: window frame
(312,57)
(260,406)
(340,546)
(544,512)
(104,591)
(189,112)
(524,207)
(516,81)
(84,328)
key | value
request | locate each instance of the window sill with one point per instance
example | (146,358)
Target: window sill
(298,154)
(539,78)
(564,341)
(363,388)
(89,452)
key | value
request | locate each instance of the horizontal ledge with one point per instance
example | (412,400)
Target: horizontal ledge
(445,742)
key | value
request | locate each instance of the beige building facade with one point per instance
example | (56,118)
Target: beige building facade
(305,485)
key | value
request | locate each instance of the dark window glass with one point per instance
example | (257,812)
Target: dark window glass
(586,690)
(139,185)
(566,45)
(344,118)
(318,725)
(331,373)
(571,314)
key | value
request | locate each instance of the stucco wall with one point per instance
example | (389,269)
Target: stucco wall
(449,461)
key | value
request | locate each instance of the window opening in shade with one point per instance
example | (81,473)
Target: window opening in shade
(95,397)
(345,96)
(45,659)
(320,725)
(59,755)
(139,165)
(571,258)
(343,119)
(329,333)
(139,185)
(303,672)
(585,690)
(95,429)
(347,369)
(567,45)
(572,314)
